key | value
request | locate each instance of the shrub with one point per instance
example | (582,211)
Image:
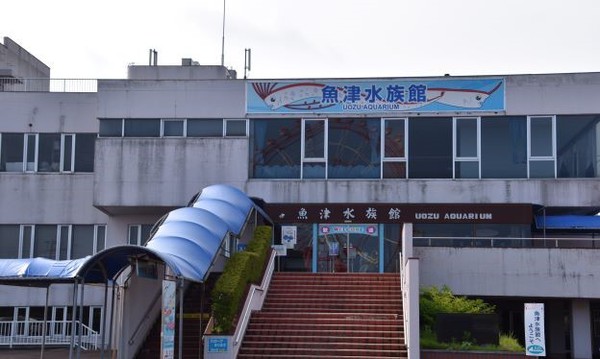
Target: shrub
(240,270)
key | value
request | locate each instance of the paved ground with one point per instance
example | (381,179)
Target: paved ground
(49,353)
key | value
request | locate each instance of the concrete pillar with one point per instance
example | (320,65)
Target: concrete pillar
(581,329)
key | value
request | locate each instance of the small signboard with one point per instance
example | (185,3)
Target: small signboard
(218,345)
(280,249)
(535,342)
(289,236)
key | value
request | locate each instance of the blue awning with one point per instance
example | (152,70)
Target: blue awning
(187,240)
(568,222)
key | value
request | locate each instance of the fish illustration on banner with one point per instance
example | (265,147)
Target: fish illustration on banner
(377,96)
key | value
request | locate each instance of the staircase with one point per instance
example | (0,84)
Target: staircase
(328,315)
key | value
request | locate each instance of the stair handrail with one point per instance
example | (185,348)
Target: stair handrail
(250,305)
(145,317)
(409,278)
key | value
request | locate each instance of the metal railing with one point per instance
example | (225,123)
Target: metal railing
(31,333)
(48,85)
(507,242)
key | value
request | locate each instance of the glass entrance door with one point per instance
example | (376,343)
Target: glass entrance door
(348,248)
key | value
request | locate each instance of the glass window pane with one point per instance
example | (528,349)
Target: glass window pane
(49,152)
(64,243)
(430,148)
(394,170)
(9,241)
(235,128)
(133,235)
(276,148)
(27,233)
(354,148)
(84,152)
(31,152)
(11,153)
(146,228)
(205,128)
(504,147)
(466,137)
(313,170)
(111,128)
(541,136)
(541,169)
(578,147)
(100,238)
(68,153)
(467,169)
(82,243)
(314,139)
(394,138)
(45,241)
(173,128)
(142,127)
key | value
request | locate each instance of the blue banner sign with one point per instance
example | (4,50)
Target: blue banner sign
(375,96)
(368,229)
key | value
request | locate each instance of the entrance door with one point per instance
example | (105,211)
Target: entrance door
(595,309)
(348,248)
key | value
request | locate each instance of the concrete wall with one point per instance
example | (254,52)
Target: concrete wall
(21,63)
(165,172)
(563,192)
(171,99)
(520,272)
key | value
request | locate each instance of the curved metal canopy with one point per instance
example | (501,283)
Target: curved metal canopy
(187,240)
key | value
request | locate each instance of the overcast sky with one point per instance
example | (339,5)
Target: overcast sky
(311,38)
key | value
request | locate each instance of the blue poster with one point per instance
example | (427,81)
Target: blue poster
(375,96)
(167,334)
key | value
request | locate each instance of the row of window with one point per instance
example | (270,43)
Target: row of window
(153,127)
(47,152)
(427,147)
(28,319)
(59,242)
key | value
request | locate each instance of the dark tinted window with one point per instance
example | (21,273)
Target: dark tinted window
(430,147)
(111,128)
(276,148)
(504,147)
(205,128)
(577,145)
(354,148)
(142,128)
(84,152)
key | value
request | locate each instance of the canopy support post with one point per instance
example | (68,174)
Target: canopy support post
(80,318)
(104,320)
(45,323)
(181,283)
(112,312)
(73,312)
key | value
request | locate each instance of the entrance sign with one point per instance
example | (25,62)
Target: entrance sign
(368,229)
(218,345)
(375,96)
(167,333)
(535,342)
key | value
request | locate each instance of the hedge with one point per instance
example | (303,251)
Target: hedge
(242,269)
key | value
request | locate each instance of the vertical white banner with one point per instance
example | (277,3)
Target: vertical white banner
(167,332)
(289,236)
(535,342)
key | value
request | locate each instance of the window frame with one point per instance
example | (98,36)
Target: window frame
(63,154)
(456,159)
(386,159)
(531,158)
(303,158)
(165,120)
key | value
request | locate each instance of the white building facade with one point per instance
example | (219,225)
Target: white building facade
(498,174)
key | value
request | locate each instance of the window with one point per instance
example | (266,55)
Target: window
(9,241)
(140,127)
(578,147)
(59,242)
(205,128)
(314,152)
(47,152)
(541,151)
(111,128)
(430,147)
(276,148)
(353,148)
(504,147)
(236,128)
(173,128)
(466,147)
(394,147)
(139,234)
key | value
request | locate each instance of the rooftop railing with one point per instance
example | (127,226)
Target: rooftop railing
(48,85)
(31,333)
